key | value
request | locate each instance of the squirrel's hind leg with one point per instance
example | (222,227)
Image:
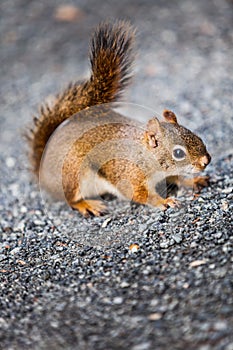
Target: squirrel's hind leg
(86,207)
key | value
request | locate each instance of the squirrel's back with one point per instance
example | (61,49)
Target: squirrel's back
(111,58)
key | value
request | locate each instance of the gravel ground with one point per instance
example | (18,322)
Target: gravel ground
(73,283)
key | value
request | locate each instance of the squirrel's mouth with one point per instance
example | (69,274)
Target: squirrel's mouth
(201,163)
(197,169)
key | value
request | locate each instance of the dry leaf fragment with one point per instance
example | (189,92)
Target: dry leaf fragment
(196,263)
(224,205)
(194,221)
(134,248)
(106,222)
(67,13)
(21,262)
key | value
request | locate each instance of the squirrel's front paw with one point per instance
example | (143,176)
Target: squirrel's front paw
(170,202)
(162,203)
(199,182)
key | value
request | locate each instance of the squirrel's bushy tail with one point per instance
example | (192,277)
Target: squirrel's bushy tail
(111,58)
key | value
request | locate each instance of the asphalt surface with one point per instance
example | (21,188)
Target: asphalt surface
(73,283)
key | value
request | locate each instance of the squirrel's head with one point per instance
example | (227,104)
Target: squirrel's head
(176,148)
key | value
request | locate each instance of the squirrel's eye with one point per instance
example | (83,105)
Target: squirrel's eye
(179,153)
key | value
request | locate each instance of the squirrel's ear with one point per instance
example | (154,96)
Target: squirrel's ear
(169,116)
(153,129)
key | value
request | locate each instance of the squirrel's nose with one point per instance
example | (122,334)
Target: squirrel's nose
(205,160)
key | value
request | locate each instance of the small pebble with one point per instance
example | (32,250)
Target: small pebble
(117,300)
(10,162)
(155,316)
